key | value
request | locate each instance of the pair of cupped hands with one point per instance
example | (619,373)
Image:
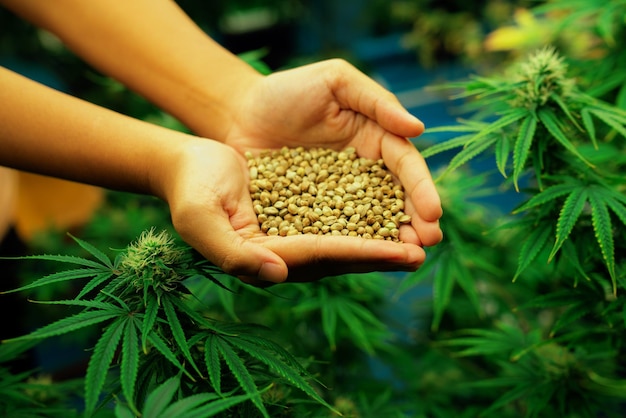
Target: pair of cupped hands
(328,104)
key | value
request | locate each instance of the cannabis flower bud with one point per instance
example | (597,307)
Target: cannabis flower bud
(541,78)
(153,260)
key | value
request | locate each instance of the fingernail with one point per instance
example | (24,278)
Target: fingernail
(271,272)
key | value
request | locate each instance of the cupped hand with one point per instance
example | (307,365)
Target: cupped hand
(331,104)
(206,187)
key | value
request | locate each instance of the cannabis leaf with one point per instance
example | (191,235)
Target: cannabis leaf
(160,403)
(600,198)
(506,340)
(533,245)
(538,106)
(340,310)
(148,326)
(454,262)
(238,348)
(574,304)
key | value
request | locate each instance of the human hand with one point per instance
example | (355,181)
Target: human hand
(206,187)
(331,104)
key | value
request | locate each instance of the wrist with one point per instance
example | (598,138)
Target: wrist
(212,109)
(182,161)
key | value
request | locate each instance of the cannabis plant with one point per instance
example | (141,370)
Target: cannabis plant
(152,340)
(539,328)
(544,119)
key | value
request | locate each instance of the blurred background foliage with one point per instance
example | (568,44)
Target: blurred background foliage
(391,350)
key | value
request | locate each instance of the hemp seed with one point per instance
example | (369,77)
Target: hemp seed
(321,191)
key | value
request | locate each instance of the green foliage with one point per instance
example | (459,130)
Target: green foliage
(161,403)
(341,306)
(140,302)
(526,317)
(538,108)
(528,307)
(27,395)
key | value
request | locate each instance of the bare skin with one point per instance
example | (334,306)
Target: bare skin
(204,181)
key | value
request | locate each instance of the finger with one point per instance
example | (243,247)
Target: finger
(405,161)
(314,256)
(212,235)
(356,91)
(408,233)
(420,232)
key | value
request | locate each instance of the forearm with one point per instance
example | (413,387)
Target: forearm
(155,49)
(48,132)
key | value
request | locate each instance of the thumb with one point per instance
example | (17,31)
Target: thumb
(356,91)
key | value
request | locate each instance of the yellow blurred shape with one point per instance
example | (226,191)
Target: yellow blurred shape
(34,203)
(527,32)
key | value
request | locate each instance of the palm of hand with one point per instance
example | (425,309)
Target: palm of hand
(212,211)
(281,111)
(337,108)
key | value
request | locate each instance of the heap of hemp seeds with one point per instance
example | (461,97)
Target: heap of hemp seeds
(321,191)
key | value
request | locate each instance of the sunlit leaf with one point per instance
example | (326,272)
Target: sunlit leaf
(463,126)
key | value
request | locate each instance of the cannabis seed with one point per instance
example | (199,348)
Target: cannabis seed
(322,191)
